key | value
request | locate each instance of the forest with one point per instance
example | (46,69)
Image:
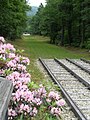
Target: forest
(66,22)
(13,18)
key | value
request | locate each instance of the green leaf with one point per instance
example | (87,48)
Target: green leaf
(21,117)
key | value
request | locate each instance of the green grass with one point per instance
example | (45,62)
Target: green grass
(38,46)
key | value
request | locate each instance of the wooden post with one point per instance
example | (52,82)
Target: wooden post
(6,88)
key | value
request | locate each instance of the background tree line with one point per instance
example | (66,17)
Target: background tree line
(12,18)
(66,22)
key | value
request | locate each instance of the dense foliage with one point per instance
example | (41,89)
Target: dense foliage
(65,21)
(27,98)
(12,18)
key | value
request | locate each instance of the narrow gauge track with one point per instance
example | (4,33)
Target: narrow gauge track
(87,61)
(81,64)
(77,71)
(76,94)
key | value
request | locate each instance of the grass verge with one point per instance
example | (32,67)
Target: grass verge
(38,46)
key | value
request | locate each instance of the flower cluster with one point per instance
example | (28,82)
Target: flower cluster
(19,79)
(2,40)
(25,100)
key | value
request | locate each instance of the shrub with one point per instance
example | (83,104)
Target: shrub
(27,97)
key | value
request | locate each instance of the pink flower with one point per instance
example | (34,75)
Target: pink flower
(48,100)
(21,108)
(25,80)
(17,84)
(25,75)
(2,40)
(13,76)
(11,64)
(11,55)
(27,96)
(12,112)
(21,67)
(26,108)
(34,112)
(25,60)
(2,49)
(17,96)
(37,101)
(60,102)
(54,95)
(56,111)
(23,88)
(9,47)
(1,71)
(17,59)
(41,92)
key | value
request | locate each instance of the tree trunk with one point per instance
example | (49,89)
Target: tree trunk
(62,36)
(69,33)
(83,34)
(79,31)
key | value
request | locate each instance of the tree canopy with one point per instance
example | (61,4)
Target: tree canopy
(12,18)
(66,22)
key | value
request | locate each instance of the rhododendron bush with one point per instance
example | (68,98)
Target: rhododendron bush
(26,101)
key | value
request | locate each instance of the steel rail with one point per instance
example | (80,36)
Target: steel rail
(87,61)
(74,74)
(74,107)
(83,68)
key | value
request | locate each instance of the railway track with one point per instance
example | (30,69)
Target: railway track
(81,64)
(81,74)
(70,82)
(87,61)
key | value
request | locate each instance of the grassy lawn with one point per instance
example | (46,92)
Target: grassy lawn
(38,46)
